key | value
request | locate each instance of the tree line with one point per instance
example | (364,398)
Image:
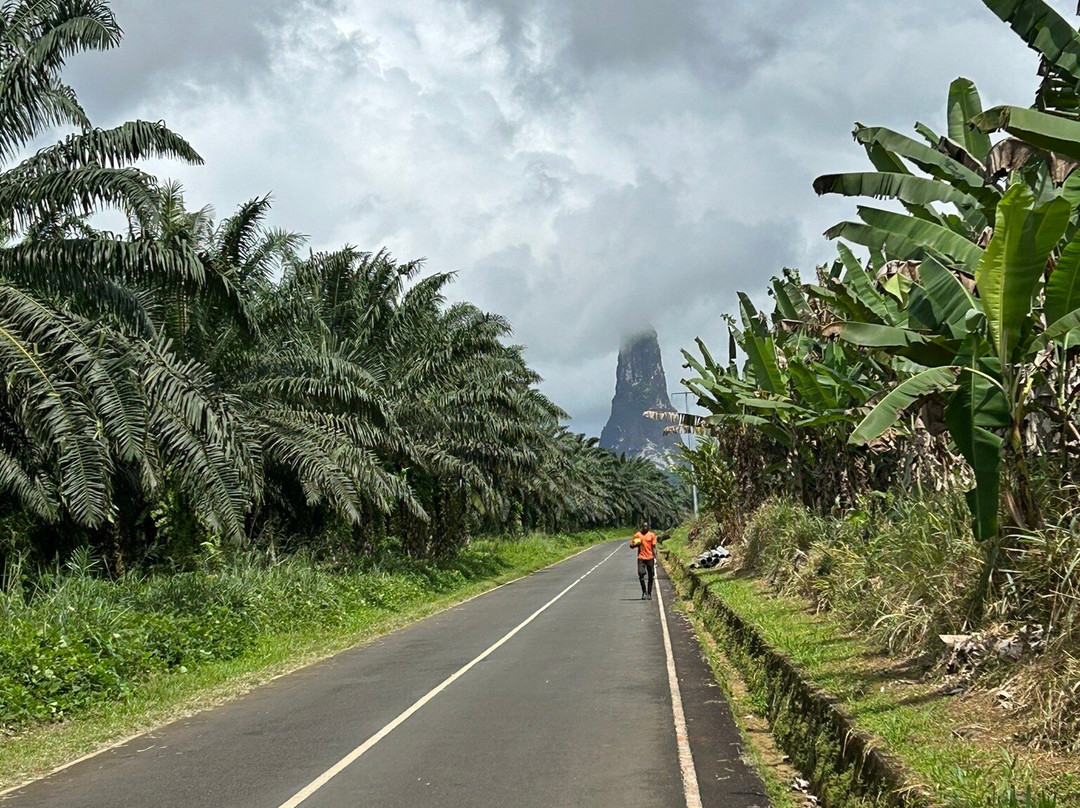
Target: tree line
(192,381)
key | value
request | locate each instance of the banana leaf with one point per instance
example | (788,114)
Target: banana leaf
(1064,331)
(929,135)
(898,246)
(1063,288)
(809,387)
(1043,29)
(884,160)
(898,341)
(790,299)
(847,378)
(824,419)
(899,288)
(1050,133)
(772,404)
(903,187)
(940,302)
(929,160)
(694,364)
(763,425)
(716,399)
(965,104)
(1071,192)
(925,235)
(862,289)
(977,407)
(751,317)
(888,411)
(842,300)
(1012,266)
(876,335)
(707,356)
(761,361)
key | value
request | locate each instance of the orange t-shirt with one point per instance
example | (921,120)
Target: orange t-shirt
(646,551)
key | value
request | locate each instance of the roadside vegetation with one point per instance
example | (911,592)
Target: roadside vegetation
(86,658)
(958,750)
(897,442)
(211,436)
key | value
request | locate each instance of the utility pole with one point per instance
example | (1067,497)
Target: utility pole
(693,445)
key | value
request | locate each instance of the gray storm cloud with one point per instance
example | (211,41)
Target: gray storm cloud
(194,44)
(582,164)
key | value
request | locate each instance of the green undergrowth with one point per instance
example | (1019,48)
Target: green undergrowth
(85,659)
(913,721)
(902,568)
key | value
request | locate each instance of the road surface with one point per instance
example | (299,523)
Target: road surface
(553,690)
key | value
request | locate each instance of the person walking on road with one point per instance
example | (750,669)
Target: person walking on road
(645,542)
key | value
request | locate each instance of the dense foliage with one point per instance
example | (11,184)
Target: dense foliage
(948,356)
(189,381)
(844,426)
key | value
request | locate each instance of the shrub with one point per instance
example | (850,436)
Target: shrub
(778,539)
(902,568)
(705,533)
(897,567)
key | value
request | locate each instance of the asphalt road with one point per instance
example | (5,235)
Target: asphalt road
(574,709)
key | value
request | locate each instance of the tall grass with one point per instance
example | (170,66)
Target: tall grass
(901,569)
(1042,584)
(896,568)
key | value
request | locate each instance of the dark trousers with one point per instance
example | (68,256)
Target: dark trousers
(646,568)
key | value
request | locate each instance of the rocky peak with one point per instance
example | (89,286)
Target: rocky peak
(640,385)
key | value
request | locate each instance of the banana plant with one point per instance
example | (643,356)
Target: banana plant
(976,350)
(991,382)
(1057,42)
(797,386)
(953,167)
(968,309)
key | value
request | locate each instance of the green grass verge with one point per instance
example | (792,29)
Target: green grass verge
(913,721)
(30,749)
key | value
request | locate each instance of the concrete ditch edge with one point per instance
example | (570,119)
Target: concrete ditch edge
(846,766)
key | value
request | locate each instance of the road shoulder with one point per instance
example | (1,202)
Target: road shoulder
(724,776)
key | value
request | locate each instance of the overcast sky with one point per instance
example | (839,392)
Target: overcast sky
(588,167)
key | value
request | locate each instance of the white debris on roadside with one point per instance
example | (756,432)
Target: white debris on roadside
(968,653)
(711,558)
(802,786)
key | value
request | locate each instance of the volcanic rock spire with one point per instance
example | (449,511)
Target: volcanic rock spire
(640,385)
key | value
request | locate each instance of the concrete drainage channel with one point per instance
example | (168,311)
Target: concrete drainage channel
(844,765)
